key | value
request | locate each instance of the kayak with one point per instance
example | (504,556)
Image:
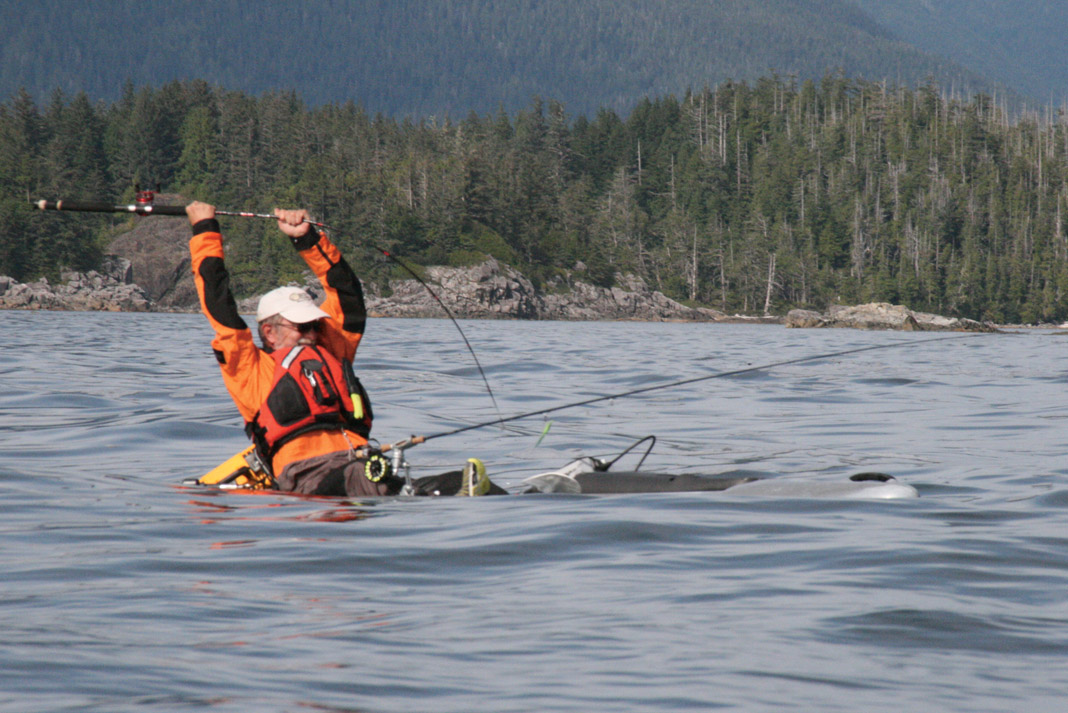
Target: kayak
(592,476)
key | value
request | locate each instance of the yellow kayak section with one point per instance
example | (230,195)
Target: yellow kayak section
(242,471)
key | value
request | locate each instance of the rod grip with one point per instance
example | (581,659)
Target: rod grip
(413,441)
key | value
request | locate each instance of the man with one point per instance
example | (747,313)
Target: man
(303,406)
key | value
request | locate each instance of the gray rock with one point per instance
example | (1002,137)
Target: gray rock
(876,315)
(491,290)
(804,318)
(882,315)
(118,268)
(78,292)
(157,251)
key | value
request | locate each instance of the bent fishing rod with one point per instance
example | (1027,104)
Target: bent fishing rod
(144,206)
(415,440)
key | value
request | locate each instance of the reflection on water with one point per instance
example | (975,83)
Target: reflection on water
(213,512)
(123,590)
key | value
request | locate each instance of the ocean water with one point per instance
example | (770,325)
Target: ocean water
(124,591)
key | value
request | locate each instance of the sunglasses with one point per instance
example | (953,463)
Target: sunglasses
(304,327)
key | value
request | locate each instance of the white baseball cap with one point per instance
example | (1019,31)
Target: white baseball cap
(293,303)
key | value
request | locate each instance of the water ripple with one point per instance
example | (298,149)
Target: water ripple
(124,591)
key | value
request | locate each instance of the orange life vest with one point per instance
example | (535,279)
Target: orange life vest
(312,391)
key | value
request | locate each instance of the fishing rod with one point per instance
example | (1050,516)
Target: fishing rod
(414,440)
(144,205)
(138,208)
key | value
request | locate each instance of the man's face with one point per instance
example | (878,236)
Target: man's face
(286,335)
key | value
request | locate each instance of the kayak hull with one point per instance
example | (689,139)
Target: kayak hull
(862,486)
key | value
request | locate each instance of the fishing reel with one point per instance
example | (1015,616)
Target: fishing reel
(146,196)
(377,467)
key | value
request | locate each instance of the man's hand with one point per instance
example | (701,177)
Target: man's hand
(198,211)
(291,222)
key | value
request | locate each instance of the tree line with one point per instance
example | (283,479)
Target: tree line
(752,198)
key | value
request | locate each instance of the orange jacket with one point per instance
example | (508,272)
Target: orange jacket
(247,370)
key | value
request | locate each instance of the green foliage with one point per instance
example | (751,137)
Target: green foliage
(775,195)
(465,258)
(480,240)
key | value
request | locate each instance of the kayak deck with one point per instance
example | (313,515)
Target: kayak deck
(590,476)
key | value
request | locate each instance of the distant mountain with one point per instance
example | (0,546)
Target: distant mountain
(1020,43)
(438,57)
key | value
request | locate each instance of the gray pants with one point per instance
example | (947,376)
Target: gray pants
(331,474)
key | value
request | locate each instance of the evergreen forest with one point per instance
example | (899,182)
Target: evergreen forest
(747,197)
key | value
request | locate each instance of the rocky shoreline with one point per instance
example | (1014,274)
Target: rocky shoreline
(882,315)
(486,291)
(147,270)
(495,291)
(110,291)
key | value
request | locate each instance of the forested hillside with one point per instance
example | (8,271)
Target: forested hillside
(745,197)
(424,58)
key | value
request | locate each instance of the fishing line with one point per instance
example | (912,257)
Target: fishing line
(144,206)
(684,382)
(397,261)
(436,416)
